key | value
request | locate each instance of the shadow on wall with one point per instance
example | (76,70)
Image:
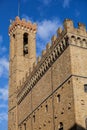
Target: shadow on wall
(77,127)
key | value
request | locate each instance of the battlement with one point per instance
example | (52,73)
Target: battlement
(65,37)
(22,24)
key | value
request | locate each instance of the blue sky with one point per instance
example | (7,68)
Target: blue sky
(49,15)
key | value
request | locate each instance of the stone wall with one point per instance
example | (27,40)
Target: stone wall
(51,94)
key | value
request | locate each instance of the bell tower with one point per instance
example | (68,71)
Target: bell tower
(22,56)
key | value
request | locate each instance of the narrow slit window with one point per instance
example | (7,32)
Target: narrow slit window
(34,118)
(25,43)
(46,107)
(58,98)
(24,126)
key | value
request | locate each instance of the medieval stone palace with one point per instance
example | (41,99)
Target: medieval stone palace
(50,92)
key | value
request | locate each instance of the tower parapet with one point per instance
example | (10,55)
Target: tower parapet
(68,25)
(23,24)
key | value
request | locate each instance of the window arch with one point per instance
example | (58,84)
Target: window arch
(25,43)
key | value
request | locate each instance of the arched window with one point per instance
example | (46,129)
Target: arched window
(14,36)
(86,123)
(25,43)
(60,126)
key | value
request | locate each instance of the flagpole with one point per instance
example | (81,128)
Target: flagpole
(19,8)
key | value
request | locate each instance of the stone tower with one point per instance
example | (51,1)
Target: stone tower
(22,56)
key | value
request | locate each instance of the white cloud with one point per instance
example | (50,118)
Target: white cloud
(46,29)
(1,38)
(4,93)
(66,3)
(3,116)
(2,48)
(4,66)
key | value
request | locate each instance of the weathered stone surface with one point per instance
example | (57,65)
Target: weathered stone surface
(47,93)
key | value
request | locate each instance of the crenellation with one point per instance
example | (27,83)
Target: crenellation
(53,39)
(82,27)
(68,25)
(48,46)
(22,24)
(43,52)
(38,59)
(59,32)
